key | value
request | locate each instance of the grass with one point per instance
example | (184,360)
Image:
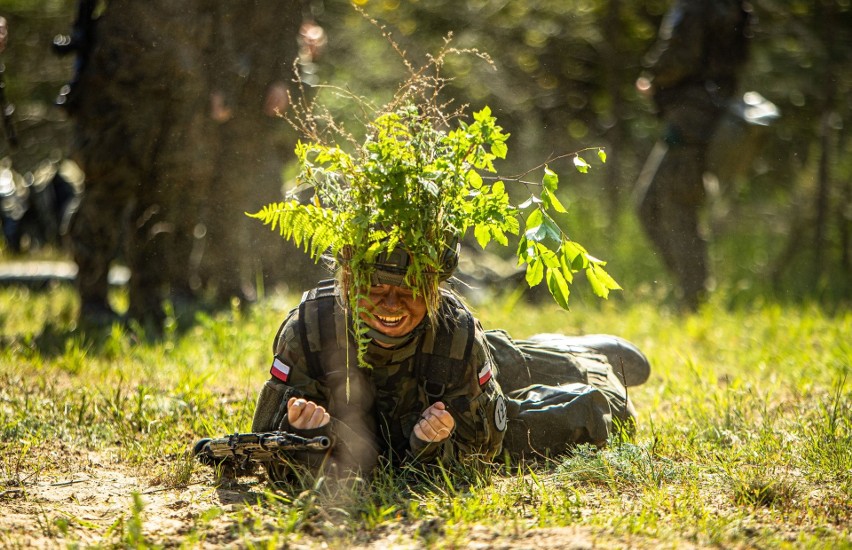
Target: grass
(744,439)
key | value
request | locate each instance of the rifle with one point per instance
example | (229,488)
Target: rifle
(239,453)
(7,110)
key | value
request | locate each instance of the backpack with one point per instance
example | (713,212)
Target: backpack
(326,339)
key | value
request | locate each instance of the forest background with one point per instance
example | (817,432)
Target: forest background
(745,430)
(563,79)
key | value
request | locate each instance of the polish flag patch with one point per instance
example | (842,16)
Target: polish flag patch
(280,370)
(485,374)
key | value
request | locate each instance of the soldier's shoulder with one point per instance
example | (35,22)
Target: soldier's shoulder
(288,330)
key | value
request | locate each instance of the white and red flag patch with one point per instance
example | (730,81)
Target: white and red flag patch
(280,370)
(485,374)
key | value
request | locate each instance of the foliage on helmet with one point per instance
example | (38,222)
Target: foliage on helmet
(421,180)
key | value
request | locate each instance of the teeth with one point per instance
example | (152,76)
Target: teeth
(389,320)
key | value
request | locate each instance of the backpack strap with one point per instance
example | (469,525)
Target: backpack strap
(440,358)
(443,353)
(319,327)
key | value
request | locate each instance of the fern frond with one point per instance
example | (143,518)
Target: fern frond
(312,228)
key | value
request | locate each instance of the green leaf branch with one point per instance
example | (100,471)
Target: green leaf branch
(550,254)
(422,179)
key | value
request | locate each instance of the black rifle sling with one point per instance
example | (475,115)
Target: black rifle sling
(444,351)
(317,328)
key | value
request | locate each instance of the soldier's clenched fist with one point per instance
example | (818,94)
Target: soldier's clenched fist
(306,415)
(436,424)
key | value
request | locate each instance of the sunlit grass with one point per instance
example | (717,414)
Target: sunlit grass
(745,433)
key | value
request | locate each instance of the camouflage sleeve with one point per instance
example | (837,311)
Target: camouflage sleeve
(288,378)
(477,405)
(352,435)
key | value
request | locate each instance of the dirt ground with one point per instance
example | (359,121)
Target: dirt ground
(93,503)
(50,510)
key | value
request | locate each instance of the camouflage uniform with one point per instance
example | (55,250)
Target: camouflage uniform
(374,410)
(563,393)
(142,140)
(701,47)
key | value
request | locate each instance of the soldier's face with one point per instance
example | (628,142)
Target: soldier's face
(395,310)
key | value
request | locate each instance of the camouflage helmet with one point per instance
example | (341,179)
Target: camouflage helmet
(391,267)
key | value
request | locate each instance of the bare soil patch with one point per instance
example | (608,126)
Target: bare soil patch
(92,503)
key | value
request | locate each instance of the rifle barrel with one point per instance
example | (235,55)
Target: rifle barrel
(285,441)
(260,446)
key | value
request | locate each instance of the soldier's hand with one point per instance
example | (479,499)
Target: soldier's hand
(277,99)
(4,33)
(219,110)
(436,424)
(306,415)
(312,40)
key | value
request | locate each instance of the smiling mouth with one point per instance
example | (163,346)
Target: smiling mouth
(390,321)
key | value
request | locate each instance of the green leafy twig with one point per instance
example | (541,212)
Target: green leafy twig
(421,179)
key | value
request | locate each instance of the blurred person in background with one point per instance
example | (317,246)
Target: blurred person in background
(257,44)
(176,111)
(692,73)
(143,139)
